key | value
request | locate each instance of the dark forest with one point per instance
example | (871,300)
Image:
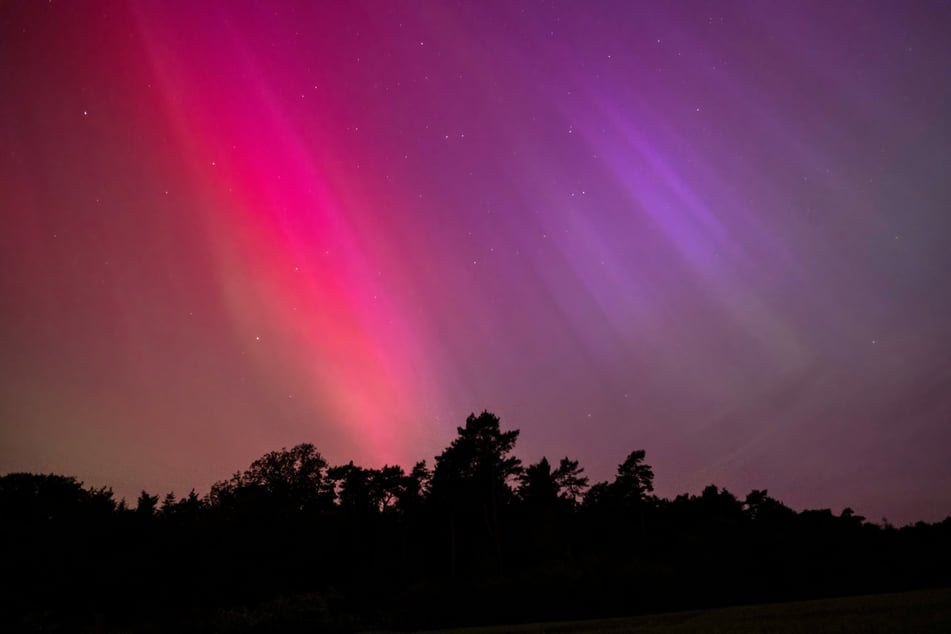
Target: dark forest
(295,544)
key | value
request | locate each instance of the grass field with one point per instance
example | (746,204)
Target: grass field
(923,611)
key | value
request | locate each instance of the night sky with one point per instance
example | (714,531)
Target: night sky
(717,231)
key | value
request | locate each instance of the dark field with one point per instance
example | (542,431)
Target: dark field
(924,611)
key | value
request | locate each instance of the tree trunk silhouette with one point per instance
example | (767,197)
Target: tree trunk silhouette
(452,544)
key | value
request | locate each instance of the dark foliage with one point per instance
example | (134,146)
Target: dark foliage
(295,544)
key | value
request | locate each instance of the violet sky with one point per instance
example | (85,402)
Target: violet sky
(717,231)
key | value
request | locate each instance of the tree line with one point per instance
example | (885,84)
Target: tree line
(293,543)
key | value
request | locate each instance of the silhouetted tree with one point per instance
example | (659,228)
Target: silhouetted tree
(850,517)
(548,501)
(569,481)
(472,477)
(630,490)
(539,488)
(597,496)
(635,479)
(478,461)
(759,506)
(290,479)
(415,488)
(146,505)
(387,485)
(50,498)
(720,504)
(352,485)
(184,509)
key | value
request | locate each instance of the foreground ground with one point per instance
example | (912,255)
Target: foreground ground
(924,611)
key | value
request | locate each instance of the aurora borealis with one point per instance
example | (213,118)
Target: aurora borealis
(717,231)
